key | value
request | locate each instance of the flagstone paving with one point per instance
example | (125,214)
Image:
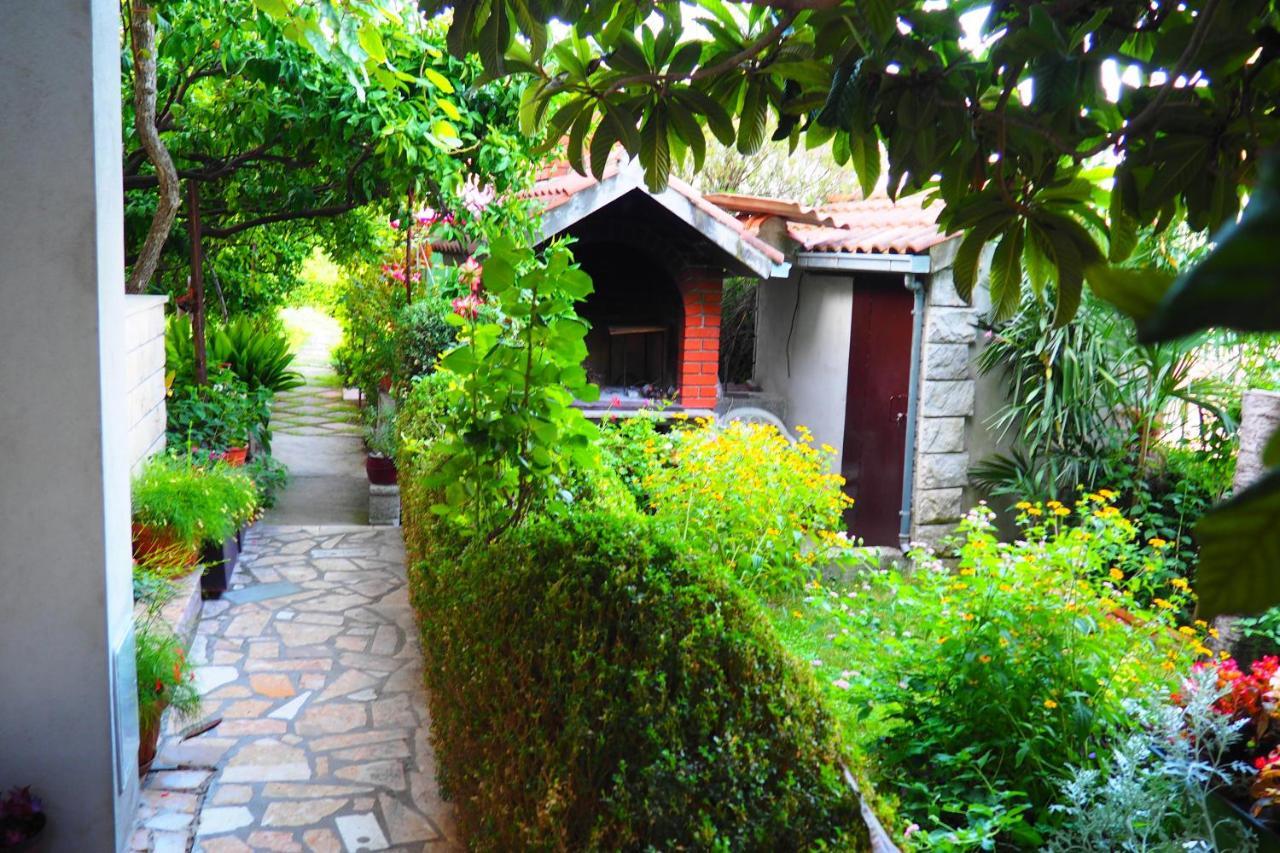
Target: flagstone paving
(309,666)
(312,664)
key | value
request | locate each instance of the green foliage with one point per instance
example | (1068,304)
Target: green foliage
(744,497)
(256,349)
(1156,789)
(969,690)
(196,503)
(591,690)
(382,437)
(220,415)
(165,678)
(423,334)
(287,142)
(269,476)
(423,415)
(514,433)
(367,353)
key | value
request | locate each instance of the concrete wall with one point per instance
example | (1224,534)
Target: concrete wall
(68,695)
(802,351)
(144,355)
(954,402)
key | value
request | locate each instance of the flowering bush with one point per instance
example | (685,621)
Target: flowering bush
(970,688)
(1155,790)
(746,497)
(1250,699)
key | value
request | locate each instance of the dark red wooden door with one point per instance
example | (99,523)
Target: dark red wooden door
(875,421)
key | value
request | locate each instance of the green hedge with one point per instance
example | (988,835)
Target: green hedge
(590,691)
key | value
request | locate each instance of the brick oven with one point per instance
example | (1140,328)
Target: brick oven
(658,262)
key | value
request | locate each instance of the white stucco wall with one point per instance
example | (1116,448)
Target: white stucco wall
(68,694)
(144,357)
(953,403)
(815,387)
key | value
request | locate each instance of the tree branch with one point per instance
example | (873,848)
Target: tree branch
(142,45)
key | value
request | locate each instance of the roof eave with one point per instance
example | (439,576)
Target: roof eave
(864,262)
(741,256)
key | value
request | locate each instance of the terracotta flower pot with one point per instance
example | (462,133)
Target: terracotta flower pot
(148,742)
(148,540)
(381,470)
(233,456)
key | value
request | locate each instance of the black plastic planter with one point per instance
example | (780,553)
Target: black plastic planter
(219,564)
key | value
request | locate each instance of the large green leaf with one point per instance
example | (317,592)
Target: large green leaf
(965,269)
(1239,570)
(1136,292)
(1006,274)
(1238,285)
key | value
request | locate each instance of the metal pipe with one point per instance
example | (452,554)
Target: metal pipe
(914,283)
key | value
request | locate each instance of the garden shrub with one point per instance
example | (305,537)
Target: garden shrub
(195,503)
(422,334)
(970,689)
(745,496)
(590,689)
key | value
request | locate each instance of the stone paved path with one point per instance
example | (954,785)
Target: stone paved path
(312,665)
(316,432)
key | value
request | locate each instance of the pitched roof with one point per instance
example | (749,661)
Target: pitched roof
(844,225)
(848,224)
(558,184)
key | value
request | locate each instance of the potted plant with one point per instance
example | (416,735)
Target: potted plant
(383,440)
(179,506)
(165,680)
(219,418)
(21,818)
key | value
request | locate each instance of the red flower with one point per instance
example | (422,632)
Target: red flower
(159,686)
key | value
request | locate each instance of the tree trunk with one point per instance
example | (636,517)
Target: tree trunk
(142,46)
(197,287)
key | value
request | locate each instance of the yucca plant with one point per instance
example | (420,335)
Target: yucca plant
(256,350)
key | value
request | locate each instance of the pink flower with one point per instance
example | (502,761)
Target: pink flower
(467,306)
(476,198)
(616,401)
(395,223)
(427,216)
(472,272)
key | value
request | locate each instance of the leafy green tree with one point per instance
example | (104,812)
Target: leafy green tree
(285,141)
(1017,136)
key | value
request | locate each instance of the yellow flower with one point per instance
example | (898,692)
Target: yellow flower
(967,617)
(985,659)
(1023,505)
(1213,632)
(1053,504)
(1050,704)
(1116,574)
(1167,666)
(1062,510)
(1035,510)
(1107,493)
(1202,650)
(942,640)
(1162,604)
(1188,630)
(1157,543)
(1179,583)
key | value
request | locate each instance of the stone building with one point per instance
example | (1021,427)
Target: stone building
(860,335)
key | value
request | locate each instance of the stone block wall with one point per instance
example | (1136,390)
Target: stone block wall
(946,417)
(145,366)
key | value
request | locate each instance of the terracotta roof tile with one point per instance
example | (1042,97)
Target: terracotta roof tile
(873,225)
